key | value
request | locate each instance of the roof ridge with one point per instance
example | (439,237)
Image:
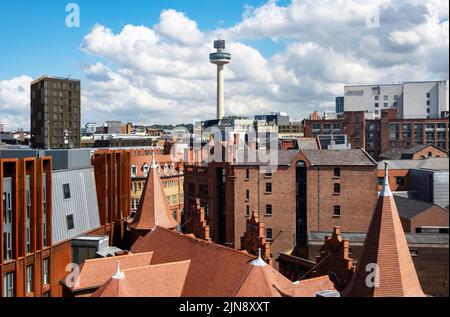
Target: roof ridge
(218,246)
(117,256)
(154,265)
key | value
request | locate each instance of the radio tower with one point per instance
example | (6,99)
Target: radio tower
(220,58)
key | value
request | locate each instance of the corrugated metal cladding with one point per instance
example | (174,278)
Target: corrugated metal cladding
(82,204)
(441,182)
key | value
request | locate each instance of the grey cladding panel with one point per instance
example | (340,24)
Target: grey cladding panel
(82,204)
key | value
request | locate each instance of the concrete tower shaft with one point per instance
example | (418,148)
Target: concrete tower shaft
(220,58)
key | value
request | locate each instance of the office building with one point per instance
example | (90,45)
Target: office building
(55,113)
(412,100)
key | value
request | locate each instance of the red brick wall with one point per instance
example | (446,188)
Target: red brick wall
(393,174)
(433,217)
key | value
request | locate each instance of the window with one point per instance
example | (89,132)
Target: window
(386,105)
(247,195)
(337,188)
(428,95)
(428,110)
(145,168)
(377,112)
(386,97)
(269,234)
(396,97)
(247,174)
(377,98)
(29,278)
(337,172)
(268,175)
(70,223)
(380,181)
(8,284)
(247,211)
(337,211)
(377,105)
(268,210)
(400,181)
(45,270)
(428,102)
(66,188)
(133,171)
(268,188)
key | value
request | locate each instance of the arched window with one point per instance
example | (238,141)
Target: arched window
(166,168)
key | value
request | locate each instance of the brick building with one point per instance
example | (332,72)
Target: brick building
(326,182)
(170,172)
(379,135)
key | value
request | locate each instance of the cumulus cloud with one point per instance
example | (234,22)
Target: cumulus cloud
(15,102)
(161,73)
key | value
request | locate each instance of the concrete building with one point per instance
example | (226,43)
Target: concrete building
(413,100)
(55,113)
(2,127)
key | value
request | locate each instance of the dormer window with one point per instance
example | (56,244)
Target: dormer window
(133,171)
(166,168)
(145,169)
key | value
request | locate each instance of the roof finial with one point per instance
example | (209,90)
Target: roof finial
(153,160)
(259,260)
(386,190)
(119,275)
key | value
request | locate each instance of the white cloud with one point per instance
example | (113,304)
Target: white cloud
(162,73)
(15,102)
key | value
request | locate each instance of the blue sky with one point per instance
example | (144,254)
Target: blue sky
(40,43)
(146,61)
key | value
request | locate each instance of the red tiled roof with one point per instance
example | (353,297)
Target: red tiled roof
(94,273)
(164,280)
(385,246)
(218,271)
(153,207)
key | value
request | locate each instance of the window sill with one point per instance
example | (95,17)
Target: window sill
(268,216)
(268,193)
(336,217)
(336,194)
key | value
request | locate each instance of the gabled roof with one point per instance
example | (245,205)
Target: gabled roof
(94,273)
(410,208)
(385,255)
(164,280)
(339,157)
(153,207)
(428,164)
(406,153)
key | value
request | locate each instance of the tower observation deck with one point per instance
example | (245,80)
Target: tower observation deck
(220,58)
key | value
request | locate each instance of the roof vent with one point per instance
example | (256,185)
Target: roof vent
(259,260)
(119,275)
(327,293)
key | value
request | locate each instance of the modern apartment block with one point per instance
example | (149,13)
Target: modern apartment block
(379,135)
(42,210)
(413,100)
(309,190)
(55,113)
